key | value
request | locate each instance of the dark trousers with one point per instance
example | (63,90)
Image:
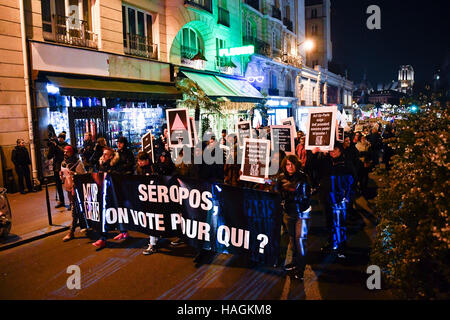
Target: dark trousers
(59,188)
(297,227)
(23,172)
(76,215)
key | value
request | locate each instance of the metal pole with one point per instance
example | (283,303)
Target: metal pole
(49,211)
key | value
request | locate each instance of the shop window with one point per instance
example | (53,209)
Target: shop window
(137,32)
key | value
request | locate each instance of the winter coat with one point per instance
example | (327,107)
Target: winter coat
(20,157)
(145,170)
(295,192)
(125,162)
(56,152)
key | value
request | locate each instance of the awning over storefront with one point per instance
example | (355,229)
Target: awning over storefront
(242,87)
(114,88)
(217,86)
(210,85)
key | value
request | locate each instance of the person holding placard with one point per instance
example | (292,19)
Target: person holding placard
(295,193)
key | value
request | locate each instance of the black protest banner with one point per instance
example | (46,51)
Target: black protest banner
(282,139)
(89,197)
(146,204)
(210,216)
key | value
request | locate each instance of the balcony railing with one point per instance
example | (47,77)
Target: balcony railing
(253,3)
(140,46)
(288,24)
(69,30)
(224,17)
(261,47)
(288,93)
(276,13)
(189,52)
(202,4)
(274,92)
(295,61)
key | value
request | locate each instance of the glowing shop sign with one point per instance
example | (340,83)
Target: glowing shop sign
(237,51)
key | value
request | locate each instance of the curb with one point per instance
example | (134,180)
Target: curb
(35,235)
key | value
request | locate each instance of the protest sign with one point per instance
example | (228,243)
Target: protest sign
(255,160)
(290,122)
(179,128)
(321,128)
(339,134)
(244,130)
(147,145)
(282,139)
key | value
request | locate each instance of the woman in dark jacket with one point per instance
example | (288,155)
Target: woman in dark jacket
(295,193)
(21,160)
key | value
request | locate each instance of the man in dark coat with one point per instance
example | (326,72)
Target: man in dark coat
(56,152)
(21,160)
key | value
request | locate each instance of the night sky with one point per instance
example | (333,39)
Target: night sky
(412,32)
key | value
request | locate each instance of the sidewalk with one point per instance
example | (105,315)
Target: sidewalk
(30,218)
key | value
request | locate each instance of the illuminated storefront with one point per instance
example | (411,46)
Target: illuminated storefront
(78,106)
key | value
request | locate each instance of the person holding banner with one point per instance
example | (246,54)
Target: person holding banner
(145,168)
(295,193)
(70,166)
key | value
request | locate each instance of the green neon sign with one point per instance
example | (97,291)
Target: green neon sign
(237,51)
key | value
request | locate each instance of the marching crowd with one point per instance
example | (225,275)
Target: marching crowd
(336,176)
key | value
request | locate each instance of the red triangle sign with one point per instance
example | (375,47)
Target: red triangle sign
(178,124)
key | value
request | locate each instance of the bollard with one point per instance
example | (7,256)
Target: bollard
(49,211)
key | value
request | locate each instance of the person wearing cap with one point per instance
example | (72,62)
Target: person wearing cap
(56,152)
(70,166)
(125,163)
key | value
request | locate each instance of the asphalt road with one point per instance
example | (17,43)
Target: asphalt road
(38,270)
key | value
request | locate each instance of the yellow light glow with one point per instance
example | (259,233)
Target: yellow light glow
(309,45)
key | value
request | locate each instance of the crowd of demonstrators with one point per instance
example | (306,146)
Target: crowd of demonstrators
(334,175)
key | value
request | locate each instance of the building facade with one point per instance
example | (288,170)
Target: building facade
(109,67)
(97,66)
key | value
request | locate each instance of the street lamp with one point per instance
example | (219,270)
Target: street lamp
(309,44)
